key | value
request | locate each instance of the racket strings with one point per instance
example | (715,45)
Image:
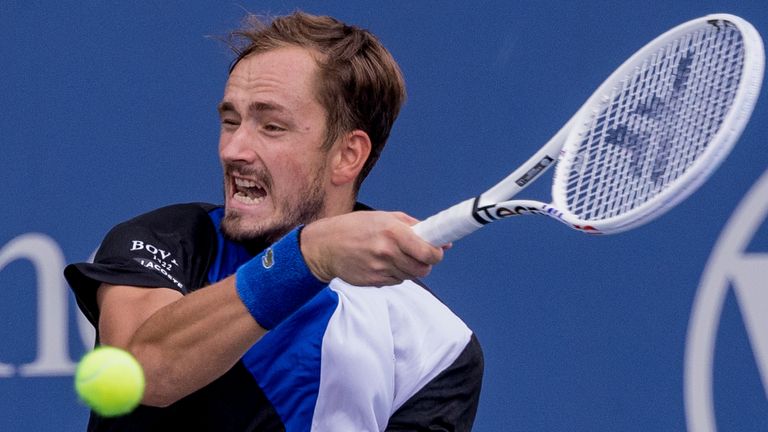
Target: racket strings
(654,124)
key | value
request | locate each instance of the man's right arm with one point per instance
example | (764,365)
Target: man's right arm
(183,343)
(186,342)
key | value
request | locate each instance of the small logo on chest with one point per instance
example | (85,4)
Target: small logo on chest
(268,259)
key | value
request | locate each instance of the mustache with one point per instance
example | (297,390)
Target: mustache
(260,174)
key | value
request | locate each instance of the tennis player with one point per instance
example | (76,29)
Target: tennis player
(291,307)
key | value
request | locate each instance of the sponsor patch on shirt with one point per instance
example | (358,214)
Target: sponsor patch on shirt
(161,261)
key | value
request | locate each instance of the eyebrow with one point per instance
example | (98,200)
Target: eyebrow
(253,107)
(225,106)
(265,106)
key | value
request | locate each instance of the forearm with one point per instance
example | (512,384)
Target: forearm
(184,343)
(188,343)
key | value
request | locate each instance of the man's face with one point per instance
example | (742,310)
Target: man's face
(272,131)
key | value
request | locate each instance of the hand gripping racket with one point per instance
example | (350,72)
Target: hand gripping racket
(650,135)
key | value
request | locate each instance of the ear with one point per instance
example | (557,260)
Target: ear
(349,156)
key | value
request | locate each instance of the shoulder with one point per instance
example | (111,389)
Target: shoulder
(407,306)
(178,225)
(181,234)
(172,216)
(170,247)
(418,328)
(409,341)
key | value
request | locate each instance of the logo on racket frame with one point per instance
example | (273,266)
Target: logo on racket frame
(493,212)
(535,171)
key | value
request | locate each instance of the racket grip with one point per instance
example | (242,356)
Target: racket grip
(449,225)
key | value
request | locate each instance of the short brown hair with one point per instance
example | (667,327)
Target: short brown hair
(360,85)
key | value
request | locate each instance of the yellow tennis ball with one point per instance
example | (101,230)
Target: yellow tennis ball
(110,381)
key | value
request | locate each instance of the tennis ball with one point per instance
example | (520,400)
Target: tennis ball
(110,381)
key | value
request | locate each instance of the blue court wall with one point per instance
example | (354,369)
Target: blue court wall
(107,110)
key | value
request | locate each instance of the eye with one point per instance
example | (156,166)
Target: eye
(273,128)
(229,123)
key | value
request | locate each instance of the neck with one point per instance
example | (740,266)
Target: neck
(338,204)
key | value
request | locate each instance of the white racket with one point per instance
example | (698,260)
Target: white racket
(650,135)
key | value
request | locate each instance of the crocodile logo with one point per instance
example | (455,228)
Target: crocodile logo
(268,259)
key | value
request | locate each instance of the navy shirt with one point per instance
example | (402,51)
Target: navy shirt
(352,358)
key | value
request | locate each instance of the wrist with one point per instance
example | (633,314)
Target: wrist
(277,282)
(310,250)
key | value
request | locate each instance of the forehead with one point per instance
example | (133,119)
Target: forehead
(283,75)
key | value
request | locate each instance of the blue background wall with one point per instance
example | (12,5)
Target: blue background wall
(107,110)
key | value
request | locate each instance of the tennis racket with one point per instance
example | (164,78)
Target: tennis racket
(650,135)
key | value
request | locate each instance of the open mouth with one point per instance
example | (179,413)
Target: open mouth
(248,191)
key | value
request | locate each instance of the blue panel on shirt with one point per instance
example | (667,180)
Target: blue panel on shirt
(229,255)
(286,361)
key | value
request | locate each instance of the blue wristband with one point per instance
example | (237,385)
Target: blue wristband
(276,282)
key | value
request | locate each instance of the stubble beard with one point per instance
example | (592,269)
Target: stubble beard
(309,207)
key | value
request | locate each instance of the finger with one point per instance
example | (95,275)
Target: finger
(405,218)
(392,281)
(420,250)
(413,221)
(387,280)
(406,267)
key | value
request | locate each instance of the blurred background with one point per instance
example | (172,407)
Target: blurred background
(108,110)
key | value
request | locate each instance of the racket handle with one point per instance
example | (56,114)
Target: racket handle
(449,225)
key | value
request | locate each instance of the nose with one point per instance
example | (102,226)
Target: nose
(238,146)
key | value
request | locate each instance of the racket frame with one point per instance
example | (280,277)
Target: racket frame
(720,144)
(494,204)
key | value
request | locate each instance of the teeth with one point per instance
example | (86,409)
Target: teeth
(245,183)
(245,199)
(248,192)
